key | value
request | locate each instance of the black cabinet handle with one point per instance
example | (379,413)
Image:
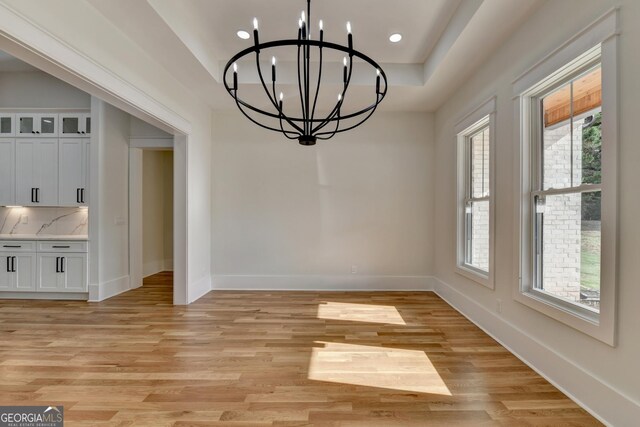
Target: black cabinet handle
(37,195)
(78,199)
(33,197)
(8,264)
(13,264)
(57,264)
(82,196)
(60,247)
(11,246)
(62,265)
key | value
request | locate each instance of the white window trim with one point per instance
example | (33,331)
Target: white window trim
(478,118)
(604,32)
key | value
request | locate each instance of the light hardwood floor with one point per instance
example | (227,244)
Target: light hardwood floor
(268,358)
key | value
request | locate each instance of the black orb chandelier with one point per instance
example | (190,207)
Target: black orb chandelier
(306,125)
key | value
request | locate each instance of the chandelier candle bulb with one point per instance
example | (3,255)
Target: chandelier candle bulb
(235,76)
(321,30)
(344,70)
(255,32)
(349,36)
(273,68)
(377,82)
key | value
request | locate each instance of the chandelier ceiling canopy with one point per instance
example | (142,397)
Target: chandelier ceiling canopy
(302,119)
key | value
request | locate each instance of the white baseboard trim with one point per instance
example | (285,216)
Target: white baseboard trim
(322,283)
(597,397)
(73,296)
(109,289)
(198,289)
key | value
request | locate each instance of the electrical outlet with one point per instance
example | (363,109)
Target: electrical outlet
(354,269)
(24,219)
(499,306)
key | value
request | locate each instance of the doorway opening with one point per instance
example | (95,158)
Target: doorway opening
(157,213)
(152,207)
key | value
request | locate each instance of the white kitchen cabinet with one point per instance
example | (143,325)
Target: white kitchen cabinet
(7,124)
(74,125)
(7,172)
(37,124)
(36,172)
(17,272)
(73,171)
(62,272)
(43,266)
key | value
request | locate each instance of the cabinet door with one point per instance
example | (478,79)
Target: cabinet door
(74,275)
(25,272)
(25,173)
(49,276)
(7,278)
(86,121)
(37,172)
(46,167)
(7,172)
(72,181)
(85,171)
(26,124)
(7,124)
(47,125)
(71,124)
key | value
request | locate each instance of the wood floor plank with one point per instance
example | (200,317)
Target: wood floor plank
(268,359)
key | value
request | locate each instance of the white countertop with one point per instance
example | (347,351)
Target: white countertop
(42,237)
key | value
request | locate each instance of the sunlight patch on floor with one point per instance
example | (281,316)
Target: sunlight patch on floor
(369,313)
(390,368)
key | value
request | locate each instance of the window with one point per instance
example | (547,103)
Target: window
(567,191)
(475,203)
(567,217)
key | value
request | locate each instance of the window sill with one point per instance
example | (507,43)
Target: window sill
(476,276)
(582,319)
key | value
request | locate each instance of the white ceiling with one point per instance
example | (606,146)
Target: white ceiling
(444,40)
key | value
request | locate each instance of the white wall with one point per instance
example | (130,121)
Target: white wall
(112,201)
(157,211)
(602,377)
(307,214)
(35,89)
(142,129)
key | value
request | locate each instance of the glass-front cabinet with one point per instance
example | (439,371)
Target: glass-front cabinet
(75,124)
(7,124)
(37,124)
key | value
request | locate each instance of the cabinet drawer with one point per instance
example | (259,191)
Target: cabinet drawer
(17,246)
(62,246)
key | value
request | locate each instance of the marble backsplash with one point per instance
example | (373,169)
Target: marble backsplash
(44,221)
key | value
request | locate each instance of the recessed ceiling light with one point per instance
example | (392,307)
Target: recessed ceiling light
(395,38)
(243,34)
